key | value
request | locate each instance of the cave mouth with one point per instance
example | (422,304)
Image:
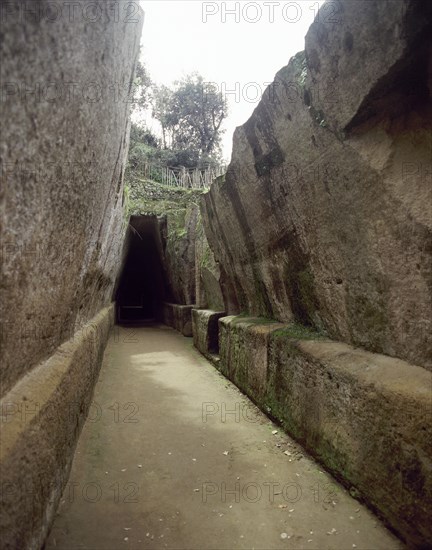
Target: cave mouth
(141,288)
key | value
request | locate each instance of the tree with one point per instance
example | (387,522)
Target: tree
(142,86)
(197,111)
(162,106)
(141,134)
(143,146)
(190,114)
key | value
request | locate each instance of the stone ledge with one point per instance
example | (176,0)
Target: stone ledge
(367,417)
(42,417)
(178,317)
(206,331)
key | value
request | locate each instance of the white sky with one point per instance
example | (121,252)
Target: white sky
(230,49)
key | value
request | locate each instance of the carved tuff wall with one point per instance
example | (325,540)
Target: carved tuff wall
(322,229)
(66,78)
(324,216)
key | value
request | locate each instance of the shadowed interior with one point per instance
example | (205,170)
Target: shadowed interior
(141,287)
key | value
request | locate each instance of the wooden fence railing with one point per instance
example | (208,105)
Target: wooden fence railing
(182,177)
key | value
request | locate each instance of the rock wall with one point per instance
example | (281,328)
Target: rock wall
(66,75)
(191,274)
(324,216)
(65,106)
(42,417)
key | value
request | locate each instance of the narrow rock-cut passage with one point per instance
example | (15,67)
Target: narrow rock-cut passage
(174,456)
(140,291)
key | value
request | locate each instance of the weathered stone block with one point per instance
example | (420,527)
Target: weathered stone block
(243,343)
(42,417)
(367,417)
(179,317)
(206,330)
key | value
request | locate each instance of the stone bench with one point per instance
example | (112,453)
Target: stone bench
(178,317)
(206,331)
(367,417)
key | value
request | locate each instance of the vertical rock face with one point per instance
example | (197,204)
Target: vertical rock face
(66,75)
(179,254)
(324,216)
(66,78)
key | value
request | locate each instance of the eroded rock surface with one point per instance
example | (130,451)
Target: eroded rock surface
(66,82)
(65,108)
(324,216)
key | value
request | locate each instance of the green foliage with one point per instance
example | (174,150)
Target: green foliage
(190,115)
(149,197)
(142,84)
(197,112)
(141,134)
(161,107)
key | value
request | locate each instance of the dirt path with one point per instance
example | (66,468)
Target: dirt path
(174,456)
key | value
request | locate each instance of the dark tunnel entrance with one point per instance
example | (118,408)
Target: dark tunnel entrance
(141,285)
